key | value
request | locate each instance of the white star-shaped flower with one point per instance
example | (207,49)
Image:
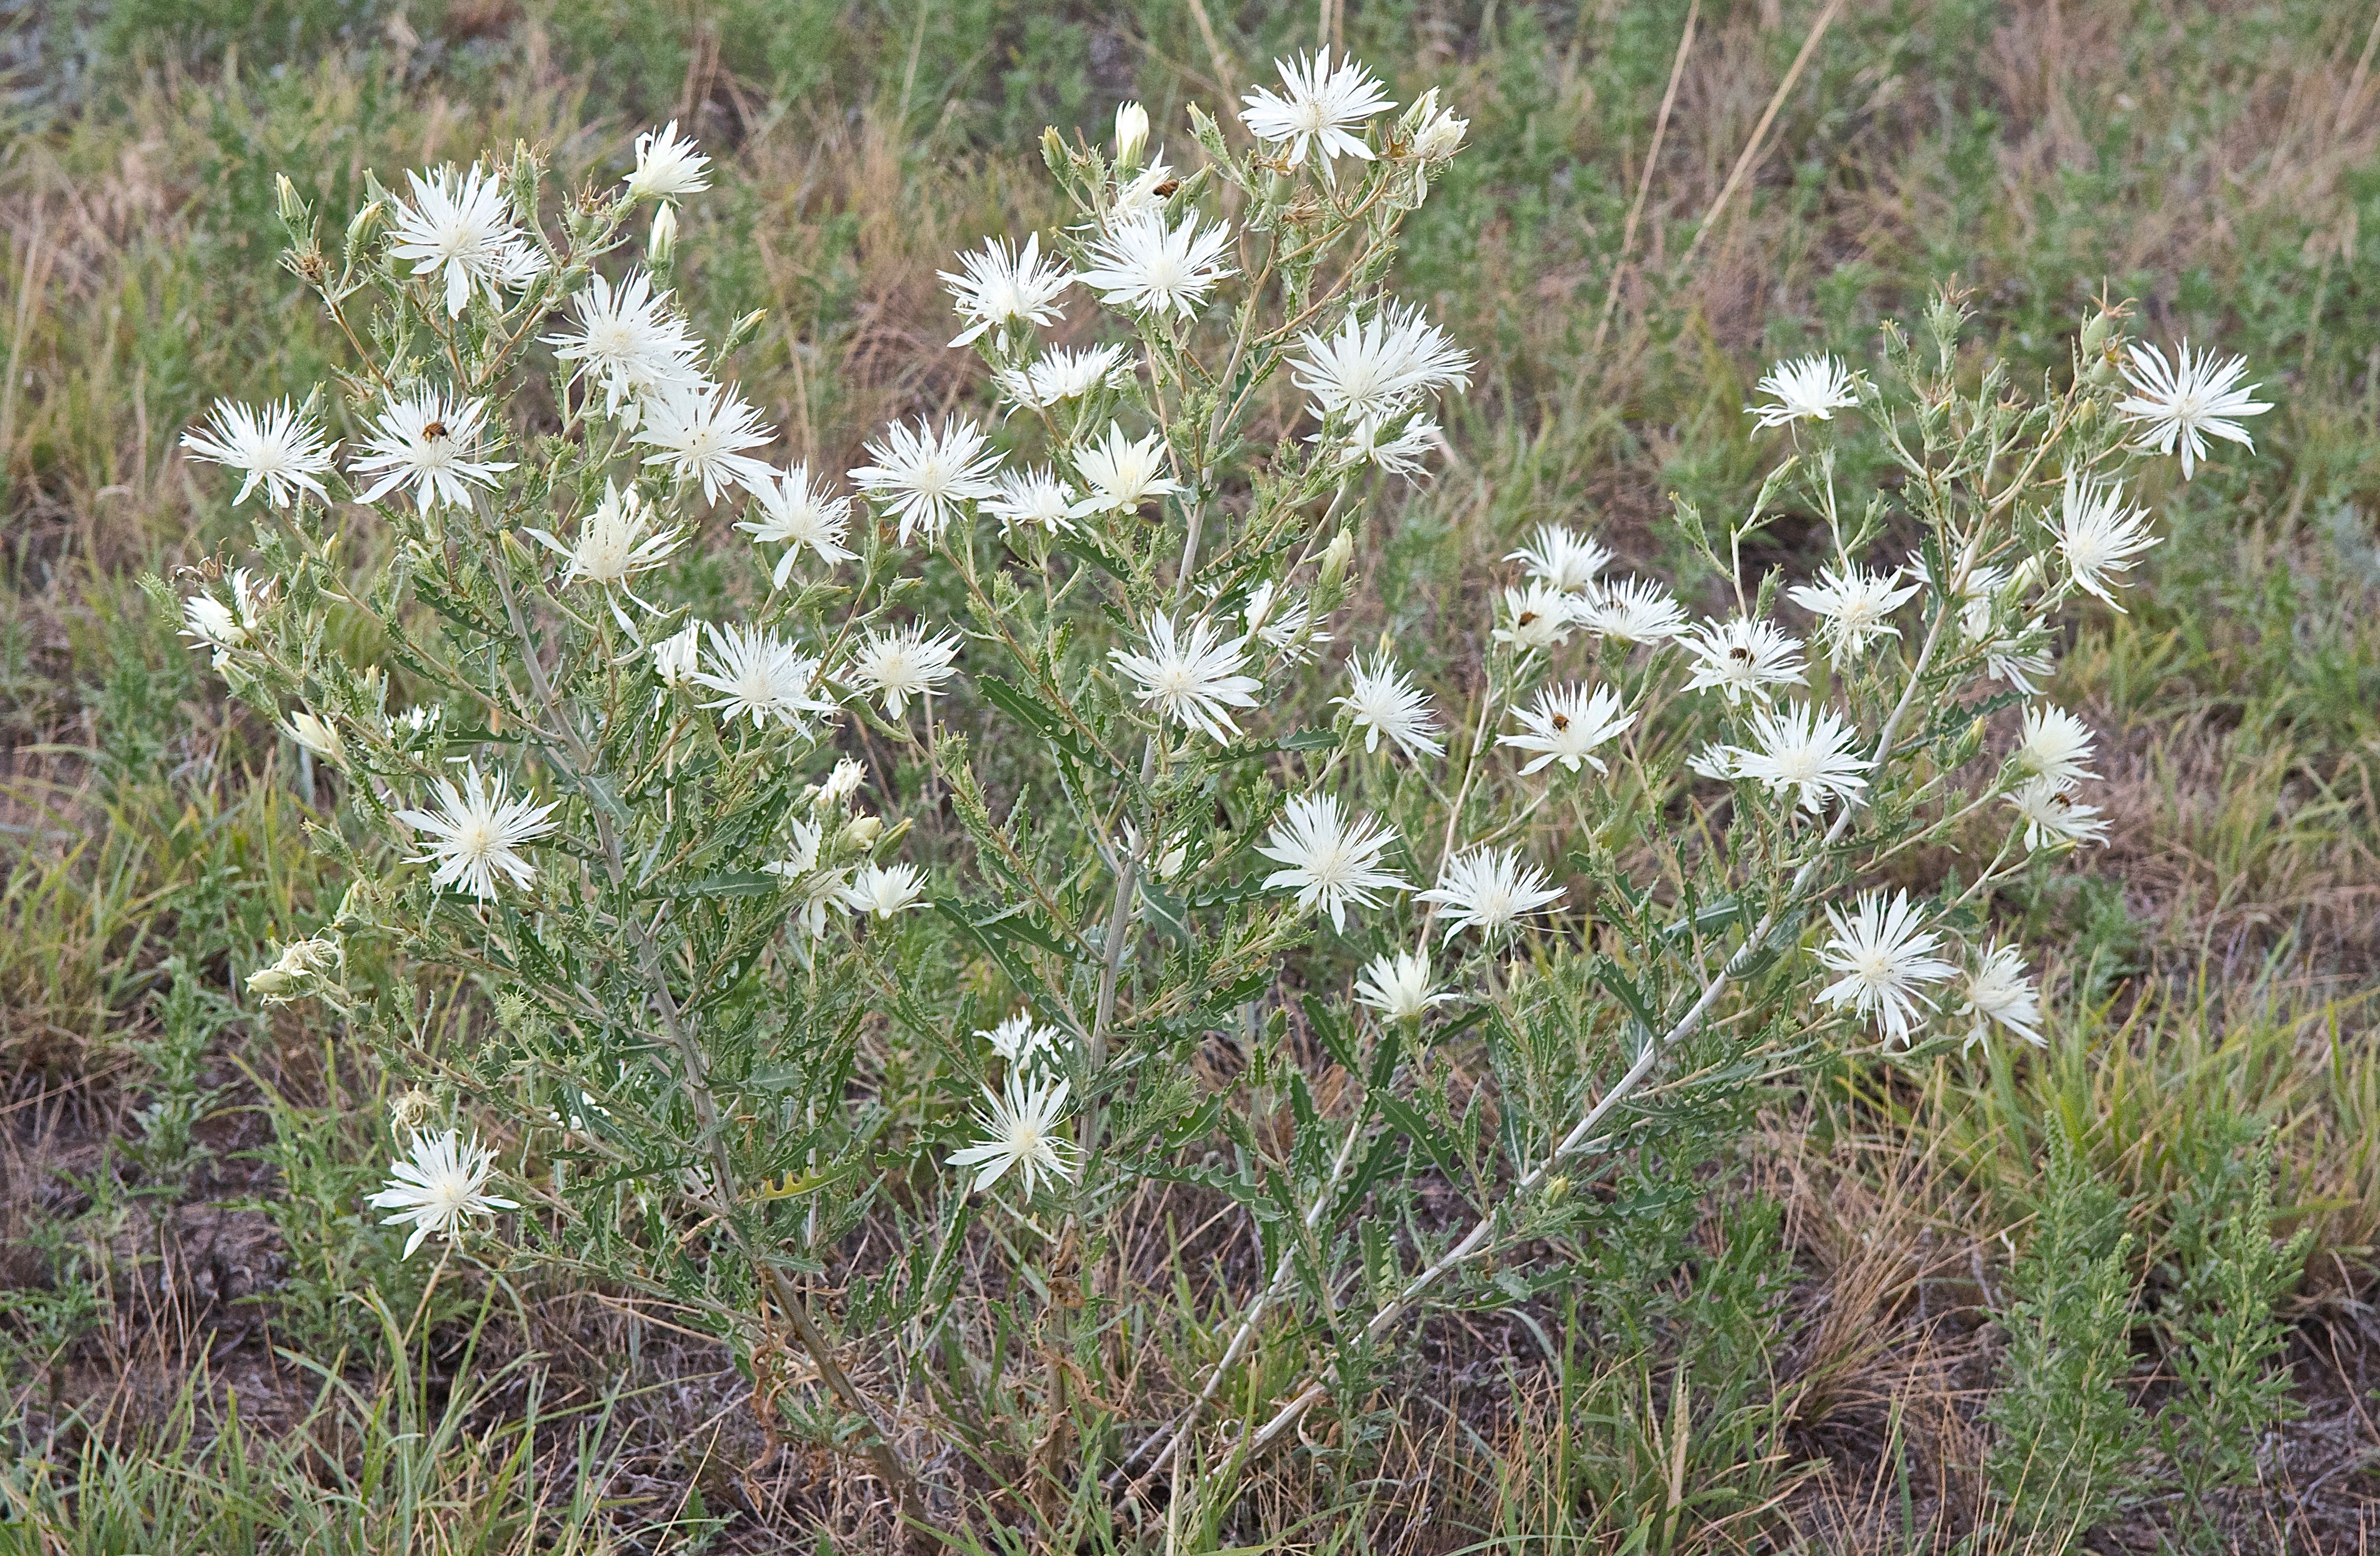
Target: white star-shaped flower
(881,891)
(458,226)
(1329,860)
(1146,267)
(616,542)
(1491,889)
(2053,818)
(758,673)
(2001,990)
(902,663)
(1437,134)
(2099,535)
(926,476)
(1885,957)
(1809,389)
(1019,1125)
(1032,499)
(1122,473)
(1630,611)
(1566,727)
(821,890)
(1023,1042)
(1320,105)
(1402,449)
(1057,376)
(1192,678)
(440,1186)
(1854,606)
(999,286)
(1400,986)
(1382,701)
(2055,746)
(627,341)
(1535,618)
(676,656)
(1807,751)
(1742,658)
(1377,367)
(271,446)
(1284,620)
(2189,400)
(668,167)
(700,431)
(218,627)
(1562,559)
(477,834)
(426,441)
(797,513)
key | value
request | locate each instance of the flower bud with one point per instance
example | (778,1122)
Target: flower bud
(359,227)
(1132,136)
(861,832)
(743,329)
(285,195)
(664,239)
(1970,744)
(318,736)
(2095,333)
(1333,572)
(1556,1188)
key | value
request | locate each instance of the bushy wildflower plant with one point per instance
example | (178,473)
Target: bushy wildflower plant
(1185,886)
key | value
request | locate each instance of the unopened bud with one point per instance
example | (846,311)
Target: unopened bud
(861,832)
(1132,136)
(664,239)
(316,736)
(284,194)
(1556,1188)
(359,227)
(1333,573)
(2095,333)
(744,329)
(1969,744)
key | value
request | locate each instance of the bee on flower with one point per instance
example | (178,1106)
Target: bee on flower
(1566,727)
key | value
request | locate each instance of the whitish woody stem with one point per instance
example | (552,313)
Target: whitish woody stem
(1162,1445)
(573,756)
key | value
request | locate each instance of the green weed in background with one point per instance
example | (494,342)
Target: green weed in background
(2215,991)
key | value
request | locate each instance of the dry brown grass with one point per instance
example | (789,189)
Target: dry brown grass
(2246,849)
